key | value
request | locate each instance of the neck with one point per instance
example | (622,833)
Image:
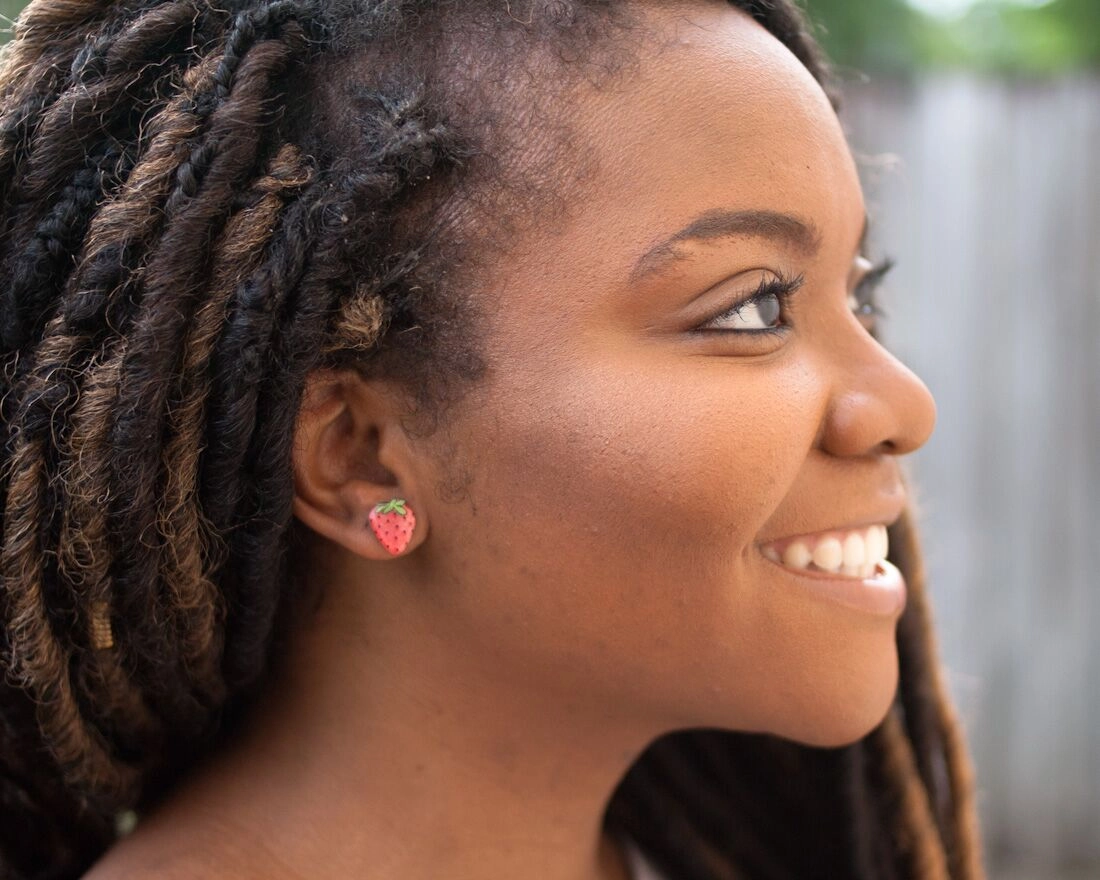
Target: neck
(380,751)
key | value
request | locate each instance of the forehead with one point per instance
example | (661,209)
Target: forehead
(715,115)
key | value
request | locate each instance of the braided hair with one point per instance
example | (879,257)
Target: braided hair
(200,204)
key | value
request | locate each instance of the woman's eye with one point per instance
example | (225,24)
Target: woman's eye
(763,312)
(862,304)
(759,313)
(862,300)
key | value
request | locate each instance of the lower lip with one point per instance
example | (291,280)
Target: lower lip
(882,594)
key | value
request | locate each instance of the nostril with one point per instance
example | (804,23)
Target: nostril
(878,412)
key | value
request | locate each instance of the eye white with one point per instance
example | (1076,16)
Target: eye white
(756,314)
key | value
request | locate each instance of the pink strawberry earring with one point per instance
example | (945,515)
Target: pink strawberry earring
(392,523)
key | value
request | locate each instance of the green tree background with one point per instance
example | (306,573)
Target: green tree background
(999,36)
(8,10)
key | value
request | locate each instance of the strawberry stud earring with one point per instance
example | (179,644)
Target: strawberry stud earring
(393,523)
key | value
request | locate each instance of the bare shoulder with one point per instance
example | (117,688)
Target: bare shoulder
(116,865)
(191,853)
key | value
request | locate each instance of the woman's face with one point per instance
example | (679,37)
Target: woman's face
(635,448)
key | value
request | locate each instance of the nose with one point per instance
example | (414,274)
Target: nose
(878,405)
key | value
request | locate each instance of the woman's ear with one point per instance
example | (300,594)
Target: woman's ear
(351,455)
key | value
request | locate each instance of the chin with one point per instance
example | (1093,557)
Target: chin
(831,719)
(842,731)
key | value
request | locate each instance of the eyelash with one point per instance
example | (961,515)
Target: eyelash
(783,288)
(780,287)
(869,283)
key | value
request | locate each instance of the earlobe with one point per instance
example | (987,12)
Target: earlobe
(354,470)
(389,530)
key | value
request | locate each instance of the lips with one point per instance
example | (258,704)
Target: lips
(855,553)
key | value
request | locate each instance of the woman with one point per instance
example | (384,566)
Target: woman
(448,440)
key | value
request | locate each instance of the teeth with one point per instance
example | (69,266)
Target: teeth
(877,543)
(854,554)
(828,554)
(797,555)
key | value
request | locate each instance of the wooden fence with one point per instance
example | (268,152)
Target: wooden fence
(988,193)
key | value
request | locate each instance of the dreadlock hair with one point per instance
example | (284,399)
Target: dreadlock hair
(200,204)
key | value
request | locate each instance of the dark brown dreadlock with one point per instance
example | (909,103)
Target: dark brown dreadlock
(191,220)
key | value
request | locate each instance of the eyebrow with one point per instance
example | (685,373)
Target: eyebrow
(786,228)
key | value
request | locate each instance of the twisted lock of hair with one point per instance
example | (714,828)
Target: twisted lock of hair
(239,429)
(37,270)
(924,694)
(37,656)
(173,283)
(250,26)
(64,347)
(651,814)
(124,219)
(39,660)
(46,35)
(917,836)
(150,390)
(90,107)
(193,547)
(679,768)
(103,379)
(38,28)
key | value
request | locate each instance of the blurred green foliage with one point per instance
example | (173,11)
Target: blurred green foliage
(1003,36)
(8,10)
(1000,36)
(874,34)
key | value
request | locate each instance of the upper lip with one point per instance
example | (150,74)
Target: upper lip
(886,515)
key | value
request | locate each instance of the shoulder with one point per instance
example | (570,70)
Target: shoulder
(122,864)
(191,854)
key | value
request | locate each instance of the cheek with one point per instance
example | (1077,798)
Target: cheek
(626,497)
(690,459)
(608,545)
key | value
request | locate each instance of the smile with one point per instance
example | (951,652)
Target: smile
(855,553)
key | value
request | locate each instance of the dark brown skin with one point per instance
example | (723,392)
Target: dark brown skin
(465,710)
